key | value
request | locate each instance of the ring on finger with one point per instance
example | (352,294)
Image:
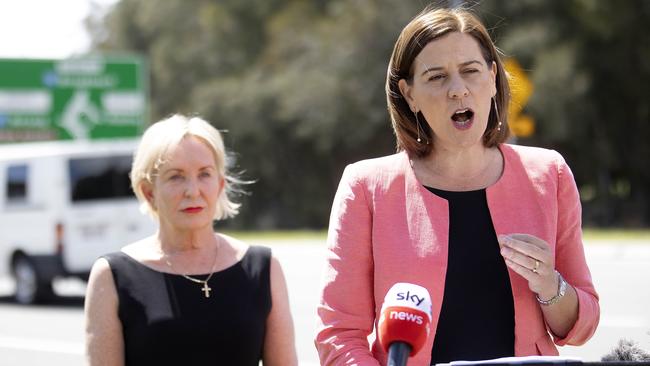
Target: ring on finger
(536,266)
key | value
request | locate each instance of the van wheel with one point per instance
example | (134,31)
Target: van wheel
(29,288)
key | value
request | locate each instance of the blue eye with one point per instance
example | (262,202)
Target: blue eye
(205,174)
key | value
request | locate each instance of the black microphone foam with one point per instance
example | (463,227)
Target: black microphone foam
(627,350)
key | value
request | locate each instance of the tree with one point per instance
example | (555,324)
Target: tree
(588,63)
(299,86)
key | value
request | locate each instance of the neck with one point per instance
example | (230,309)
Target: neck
(459,169)
(458,163)
(174,241)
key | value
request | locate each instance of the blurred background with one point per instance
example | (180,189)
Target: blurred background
(299,86)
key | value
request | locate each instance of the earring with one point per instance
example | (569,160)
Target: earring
(496,110)
(417,126)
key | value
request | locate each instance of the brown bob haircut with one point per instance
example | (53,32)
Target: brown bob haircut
(431,24)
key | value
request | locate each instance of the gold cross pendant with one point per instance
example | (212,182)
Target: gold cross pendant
(206,289)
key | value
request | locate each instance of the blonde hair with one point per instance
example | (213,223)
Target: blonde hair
(431,24)
(163,136)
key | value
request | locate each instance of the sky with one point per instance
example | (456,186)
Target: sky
(45,28)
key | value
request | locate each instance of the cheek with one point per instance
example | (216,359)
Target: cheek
(487,106)
(437,97)
(430,91)
(167,195)
(424,90)
(213,189)
(489,85)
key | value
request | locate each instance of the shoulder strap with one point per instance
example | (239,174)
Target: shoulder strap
(118,261)
(257,265)
(127,272)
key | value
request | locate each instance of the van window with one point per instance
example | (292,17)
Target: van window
(100,178)
(17,183)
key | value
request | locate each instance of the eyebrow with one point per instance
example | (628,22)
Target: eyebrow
(181,170)
(462,64)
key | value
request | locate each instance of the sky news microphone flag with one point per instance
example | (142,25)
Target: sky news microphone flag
(405,316)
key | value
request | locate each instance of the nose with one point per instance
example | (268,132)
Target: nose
(191,188)
(457,88)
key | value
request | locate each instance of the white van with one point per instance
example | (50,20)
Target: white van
(62,205)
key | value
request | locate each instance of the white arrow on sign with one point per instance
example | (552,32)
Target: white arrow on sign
(80,115)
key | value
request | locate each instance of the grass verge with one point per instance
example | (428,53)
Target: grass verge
(279,235)
(616,234)
(590,234)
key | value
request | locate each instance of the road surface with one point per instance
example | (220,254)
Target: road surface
(53,334)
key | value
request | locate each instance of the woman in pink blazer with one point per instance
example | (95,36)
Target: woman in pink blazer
(491,230)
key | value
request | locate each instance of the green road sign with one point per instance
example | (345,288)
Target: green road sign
(89,97)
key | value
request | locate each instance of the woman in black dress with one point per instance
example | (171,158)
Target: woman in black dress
(187,295)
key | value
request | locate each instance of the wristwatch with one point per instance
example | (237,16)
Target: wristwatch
(561,290)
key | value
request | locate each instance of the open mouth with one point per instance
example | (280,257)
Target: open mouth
(463,118)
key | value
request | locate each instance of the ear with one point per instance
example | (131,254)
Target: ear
(493,76)
(406,91)
(147,191)
(222,185)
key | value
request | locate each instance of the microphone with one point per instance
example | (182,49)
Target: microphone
(404,323)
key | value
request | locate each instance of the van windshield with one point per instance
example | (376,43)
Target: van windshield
(100,178)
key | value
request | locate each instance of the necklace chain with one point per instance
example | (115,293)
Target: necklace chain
(206,289)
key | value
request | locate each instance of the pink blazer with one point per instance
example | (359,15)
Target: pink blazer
(386,227)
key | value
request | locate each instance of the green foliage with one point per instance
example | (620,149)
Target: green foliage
(588,62)
(299,86)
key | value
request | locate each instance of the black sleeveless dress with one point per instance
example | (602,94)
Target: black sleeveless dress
(167,320)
